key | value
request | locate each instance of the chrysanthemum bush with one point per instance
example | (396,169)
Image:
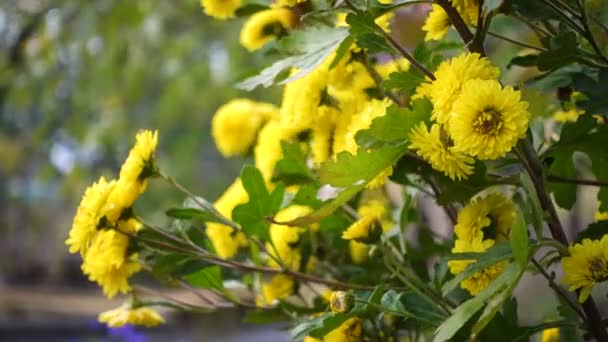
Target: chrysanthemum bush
(316,231)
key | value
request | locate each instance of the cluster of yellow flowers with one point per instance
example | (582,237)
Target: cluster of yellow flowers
(104,220)
(480,225)
(474,116)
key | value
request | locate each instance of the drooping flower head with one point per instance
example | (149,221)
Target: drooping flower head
(487,120)
(89,214)
(451,75)
(370,224)
(265,26)
(125,314)
(108,263)
(236,124)
(220,9)
(134,173)
(586,266)
(437,24)
(434,147)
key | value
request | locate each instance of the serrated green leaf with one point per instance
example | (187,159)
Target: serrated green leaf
(206,278)
(252,216)
(373,42)
(394,126)
(292,168)
(563,51)
(466,310)
(352,170)
(595,91)
(406,80)
(308,48)
(519,239)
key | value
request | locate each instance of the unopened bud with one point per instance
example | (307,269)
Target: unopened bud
(341,301)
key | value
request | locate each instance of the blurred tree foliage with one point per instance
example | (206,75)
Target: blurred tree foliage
(77,80)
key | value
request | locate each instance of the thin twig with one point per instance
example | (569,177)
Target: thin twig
(560,179)
(587,29)
(513,41)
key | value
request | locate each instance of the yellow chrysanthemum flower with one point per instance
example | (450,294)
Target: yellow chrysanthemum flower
(134,173)
(124,314)
(437,24)
(468,9)
(370,224)
(434,148)
(226,241)
(88,215)
(268,151)
(398,64)
(550,335)
(322,134)
(265,26)
(480,280)
(586,266)
(235,125)
(423,90)
(107,262)
(220,9)
(358,251)
(349,331)
(285,239)
(570,115)
(485,218)
(487,120)
(280,286)
(451,75)
(302,97)
(480,224)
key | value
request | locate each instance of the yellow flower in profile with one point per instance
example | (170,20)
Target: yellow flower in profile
(285,239)
(349,331)
(433,147)
(480,224)
(358,251)
(571,115)
(134,173)
(586,266)
(107,262)
(322,134)
(487,218)
(423,90)
(480,280)
(235,125)
(550,335)
(220,9)
(225,240)
(280,286)
(88,215)
(437,24)
(468,10)
(265,26)
(369,226)
(125,314)
(451,75)
(487,120)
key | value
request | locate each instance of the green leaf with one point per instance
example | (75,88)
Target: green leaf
(534,207)
(307,48)
(491,5)
(394,126)
(410,305)
(292,168)
(406,81)
(466,310)
(360,24)
(206,278)
(351,173)
(519,239)
(252,216)
(594,231)
(342,50)
(595,91)
(192,214)
(318,326)
(374,43)
(353,170)
(523,61)
(249,9)
(497,253)
(563,51)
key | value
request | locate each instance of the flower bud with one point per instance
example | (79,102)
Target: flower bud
(341,301)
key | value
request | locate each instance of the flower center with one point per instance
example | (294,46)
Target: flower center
(599,269)
(488,121)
